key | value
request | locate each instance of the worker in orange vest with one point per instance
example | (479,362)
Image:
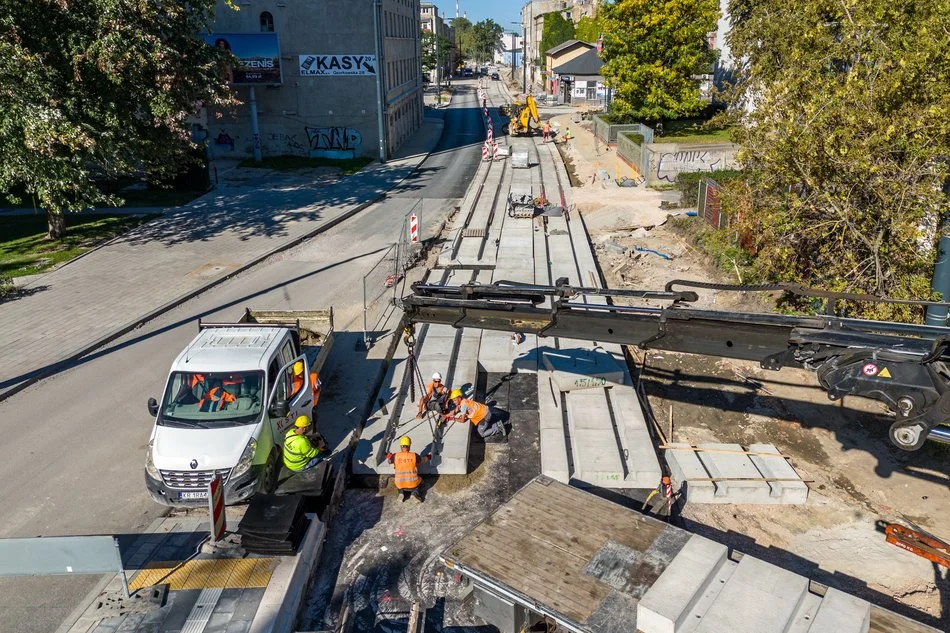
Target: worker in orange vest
(406,465)
(298,381)
(436,396)
(479,414)
(216,398)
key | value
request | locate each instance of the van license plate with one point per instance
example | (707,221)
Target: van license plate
(193,495)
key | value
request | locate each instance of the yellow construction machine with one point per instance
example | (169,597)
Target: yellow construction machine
(521,116)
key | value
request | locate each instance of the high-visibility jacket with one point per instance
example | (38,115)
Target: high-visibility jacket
(406,464)
(476,410)
(298,451)
(435,390)
(314,386)
(214,399)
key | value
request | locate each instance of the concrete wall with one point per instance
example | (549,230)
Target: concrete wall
(669,159)
(325,115)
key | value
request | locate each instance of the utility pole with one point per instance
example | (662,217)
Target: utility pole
(377,6)
(513,36)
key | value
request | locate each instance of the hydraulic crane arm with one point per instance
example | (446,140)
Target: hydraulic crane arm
(902,365)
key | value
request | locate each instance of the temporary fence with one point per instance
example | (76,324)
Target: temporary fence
(709,205)
(385,282)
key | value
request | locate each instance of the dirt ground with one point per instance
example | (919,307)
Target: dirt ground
(856,478)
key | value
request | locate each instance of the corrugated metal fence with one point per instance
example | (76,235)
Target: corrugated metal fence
(709,205)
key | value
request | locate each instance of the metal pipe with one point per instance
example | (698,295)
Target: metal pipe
(255,130)
(377,36)
(939,434)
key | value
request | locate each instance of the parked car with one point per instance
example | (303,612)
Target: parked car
(467,72)
(495,77)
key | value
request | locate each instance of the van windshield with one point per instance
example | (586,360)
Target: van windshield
(208,399)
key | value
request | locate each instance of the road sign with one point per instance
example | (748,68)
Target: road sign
(414,227)
(216,508)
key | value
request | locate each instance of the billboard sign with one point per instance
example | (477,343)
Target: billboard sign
(258,56)
(337,65)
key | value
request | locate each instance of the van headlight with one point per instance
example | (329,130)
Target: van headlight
(150,465)
(247,458)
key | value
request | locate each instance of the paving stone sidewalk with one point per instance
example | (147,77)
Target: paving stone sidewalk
(67,312)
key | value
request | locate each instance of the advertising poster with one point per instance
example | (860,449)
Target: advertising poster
(258,56)
(337,65)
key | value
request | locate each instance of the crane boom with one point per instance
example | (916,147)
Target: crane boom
(905,366)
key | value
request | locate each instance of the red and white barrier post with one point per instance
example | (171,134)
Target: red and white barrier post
(414,227)
(219,522)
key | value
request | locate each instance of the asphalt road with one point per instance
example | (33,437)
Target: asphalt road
(73,445)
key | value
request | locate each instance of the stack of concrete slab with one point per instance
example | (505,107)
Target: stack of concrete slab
(703,591)
(729,473)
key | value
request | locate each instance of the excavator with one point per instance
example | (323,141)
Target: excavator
(904,366)
(521,115)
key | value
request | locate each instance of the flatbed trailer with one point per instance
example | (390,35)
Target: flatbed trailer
(555,557)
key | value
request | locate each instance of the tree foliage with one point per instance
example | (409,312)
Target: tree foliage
(653,52)
(99,86)
(589,29)
(435,50)
(557,30)
(487,35)
(464,37)
(846,143)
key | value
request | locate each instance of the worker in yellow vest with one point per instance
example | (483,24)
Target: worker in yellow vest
(300,453)
(406,465)
(467,410)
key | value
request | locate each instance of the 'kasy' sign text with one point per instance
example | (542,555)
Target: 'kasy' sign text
(334,65)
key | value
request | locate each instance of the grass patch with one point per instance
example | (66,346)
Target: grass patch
(633,136)
(692,131)
(719,246)
(349,166)
(25,250)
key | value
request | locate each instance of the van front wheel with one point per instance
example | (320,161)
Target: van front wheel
(271,472)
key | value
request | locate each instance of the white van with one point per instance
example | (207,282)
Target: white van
(229,400)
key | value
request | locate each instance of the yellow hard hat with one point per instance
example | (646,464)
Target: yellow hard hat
(302,422)
(298,368)
(456,393)
(405,441)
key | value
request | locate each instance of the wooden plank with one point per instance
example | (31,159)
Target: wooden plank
(531,567)
(888,622)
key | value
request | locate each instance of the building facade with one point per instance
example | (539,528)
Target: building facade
(509,51)
(432,21)
(324,100)
(532,24)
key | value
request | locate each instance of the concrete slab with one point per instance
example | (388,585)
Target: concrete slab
(556,455)
(579,368)
(665,607)
(758,597)
(841,613)
(696,468)
(643,466)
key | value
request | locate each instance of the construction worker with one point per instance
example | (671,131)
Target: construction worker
(479,414)
(546,132)
(435,398)
(663,500)
(406,465)
(299,451)
(216,398)
(298,381)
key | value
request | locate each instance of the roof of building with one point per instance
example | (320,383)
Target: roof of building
(565,45)
(588,63)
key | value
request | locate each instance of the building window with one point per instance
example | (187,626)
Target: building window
(267,22)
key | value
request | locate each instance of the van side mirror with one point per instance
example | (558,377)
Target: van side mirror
(279,409)
(152,407)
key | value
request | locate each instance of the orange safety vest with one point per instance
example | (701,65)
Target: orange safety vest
(479,410)
(314,386)
(216,395)
(407,470)
(436,390)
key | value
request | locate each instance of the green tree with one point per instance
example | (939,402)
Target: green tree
(653,52)
(846,142)
(589,29)
(557,30)
(435,51)
(464,38)
(100,87)
(487,35)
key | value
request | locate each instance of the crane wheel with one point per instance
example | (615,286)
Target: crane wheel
(908,438)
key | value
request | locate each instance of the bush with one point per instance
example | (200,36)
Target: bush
(688,182)
(636,138)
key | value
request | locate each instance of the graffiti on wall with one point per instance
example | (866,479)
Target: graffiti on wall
(333,138)
(670,164)
(288,142)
